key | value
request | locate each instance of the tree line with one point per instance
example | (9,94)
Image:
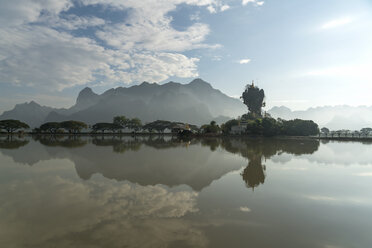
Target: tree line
(116,126)
(265,126)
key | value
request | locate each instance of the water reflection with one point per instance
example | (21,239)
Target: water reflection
(12,142)
(168,192)
(61,141)
(161,160)
(256,150)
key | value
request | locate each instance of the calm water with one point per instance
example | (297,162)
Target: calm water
(163,192)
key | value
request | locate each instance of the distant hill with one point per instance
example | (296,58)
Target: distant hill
(197,103)
(31,113)
(332,117)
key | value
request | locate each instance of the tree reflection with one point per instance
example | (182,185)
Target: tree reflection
(257,149)
(254,174)
(11,142)
(61,141)
(166,162)
(118,144)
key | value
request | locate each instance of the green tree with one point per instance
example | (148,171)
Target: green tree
(325,130)
(135,124)
(13,125)
(226,127)
(254,98)
(366,130)
(50,127)
(270,127)
(299,127)
(103,126)
(121,121)
(211,128)
(158,125)
(73,126)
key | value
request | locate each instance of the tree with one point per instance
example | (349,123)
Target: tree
(254,98)
(325,130)
(121,121)
(158,125)
(300,127)
(366,130)
(135,124)
(13,125)
(50,127)
(103,126)
(226,127)
(270,127)
(211,128)
(73,126)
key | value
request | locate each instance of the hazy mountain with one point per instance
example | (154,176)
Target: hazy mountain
(333,117)
(31,113)
(197,102)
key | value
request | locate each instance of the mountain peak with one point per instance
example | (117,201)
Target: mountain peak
(86,96)
(198,82)
(86,90)
(34,104)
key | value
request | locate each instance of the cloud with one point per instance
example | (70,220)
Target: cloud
(363,174)
(336,23)
(244,61)
(224,7)
(72,22)
(38,49)
(245,209)
(17,12)
(255,2)
(67,210)
(150,37)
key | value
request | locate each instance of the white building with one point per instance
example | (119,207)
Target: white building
(239,129)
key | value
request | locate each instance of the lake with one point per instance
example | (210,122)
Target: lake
(165,192)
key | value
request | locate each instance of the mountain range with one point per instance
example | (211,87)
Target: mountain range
(197,103)
(333,117)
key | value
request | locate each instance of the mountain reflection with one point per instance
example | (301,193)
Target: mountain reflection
(160,159)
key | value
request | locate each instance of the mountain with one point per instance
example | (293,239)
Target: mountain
(197,102)
(332,117)
(31,113)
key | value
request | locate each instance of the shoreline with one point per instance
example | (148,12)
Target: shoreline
(190,136)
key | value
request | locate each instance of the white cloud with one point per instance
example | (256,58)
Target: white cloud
(72,22)
(211,9)
(244,61)
(144,46)
(145,35)
(245,209)
(43,57)
(195,16)
(149,216)
(255,2)
(363,174)
(336,23)
(17,12)
(224,7)
(339,200)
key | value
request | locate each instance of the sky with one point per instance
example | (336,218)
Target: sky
(302,53)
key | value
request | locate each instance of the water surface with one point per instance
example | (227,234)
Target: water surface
(165,192)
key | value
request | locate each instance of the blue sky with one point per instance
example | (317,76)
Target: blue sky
(303,53)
